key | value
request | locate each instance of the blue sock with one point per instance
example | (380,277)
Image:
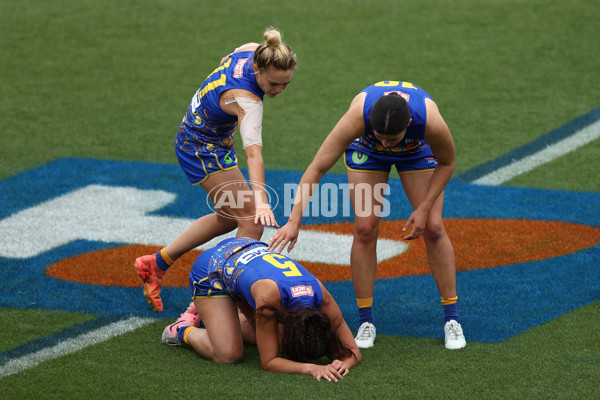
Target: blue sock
(161,263)
(451,313)
(180,332)
(366,315)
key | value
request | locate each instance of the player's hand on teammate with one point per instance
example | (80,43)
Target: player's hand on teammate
(287,234)
(264,215)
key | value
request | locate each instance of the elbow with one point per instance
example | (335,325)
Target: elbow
(447,165)
(358,356)
(266,366)
(355,358)
(253,151)
(317,170)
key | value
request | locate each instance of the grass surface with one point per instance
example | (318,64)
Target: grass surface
(111,80)
(134,366)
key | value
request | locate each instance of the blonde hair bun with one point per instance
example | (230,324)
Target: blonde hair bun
(272,37)
(274,53)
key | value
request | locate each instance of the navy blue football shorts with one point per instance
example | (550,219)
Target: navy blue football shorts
(199,165)
(362,160)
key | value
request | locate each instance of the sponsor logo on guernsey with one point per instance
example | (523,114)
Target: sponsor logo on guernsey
(238,71)
(404,95)
(302,290)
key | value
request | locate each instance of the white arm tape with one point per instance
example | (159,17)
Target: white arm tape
(251,125)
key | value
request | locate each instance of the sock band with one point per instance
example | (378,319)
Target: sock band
(184,332)
(362,303)
(163,261)
(165,256)
(449,300)
(450,309)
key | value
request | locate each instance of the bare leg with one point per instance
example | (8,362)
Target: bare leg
(227,218)
(363,255)
(199,232)
(221,340)
(440,252)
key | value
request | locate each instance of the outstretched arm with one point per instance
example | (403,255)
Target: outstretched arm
(348,128)
(264,292)
(249,109)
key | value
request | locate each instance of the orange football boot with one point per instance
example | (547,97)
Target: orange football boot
(148,270)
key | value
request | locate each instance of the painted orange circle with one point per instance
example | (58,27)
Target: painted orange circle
(478,243)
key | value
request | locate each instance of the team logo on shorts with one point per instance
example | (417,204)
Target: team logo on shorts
(228,159)
(359,158)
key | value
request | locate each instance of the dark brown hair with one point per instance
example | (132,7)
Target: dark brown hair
(390,115)
(307,334)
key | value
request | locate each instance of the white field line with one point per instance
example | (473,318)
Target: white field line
(558,149)
(72,345)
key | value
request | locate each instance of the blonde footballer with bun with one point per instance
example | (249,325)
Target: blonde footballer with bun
(230,98)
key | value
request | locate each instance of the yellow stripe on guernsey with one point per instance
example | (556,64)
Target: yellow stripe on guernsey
(219,82)
(449,300)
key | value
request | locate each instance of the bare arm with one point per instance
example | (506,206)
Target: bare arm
(348,128)
(249,109)
(438,136)
(265,291)
(332,310)
(256,173)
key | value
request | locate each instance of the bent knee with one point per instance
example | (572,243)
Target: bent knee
(230,357)
(366,232)
(235,360)
(434,231)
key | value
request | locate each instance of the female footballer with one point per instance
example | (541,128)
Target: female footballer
(390,123)
(283,308)
(230,97)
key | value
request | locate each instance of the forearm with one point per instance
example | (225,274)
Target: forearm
(279,364)
(256,173)
(306,188)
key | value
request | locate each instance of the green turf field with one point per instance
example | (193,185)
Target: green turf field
(111,80)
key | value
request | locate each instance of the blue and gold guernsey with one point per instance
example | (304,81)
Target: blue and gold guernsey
(205,125)
(413,141)
(230,269)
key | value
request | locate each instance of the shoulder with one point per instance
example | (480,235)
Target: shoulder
(246,47)
(327,297)
(265,291)
(434,118)
(355,110)
(358,102)
(233,93)
(437,133)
